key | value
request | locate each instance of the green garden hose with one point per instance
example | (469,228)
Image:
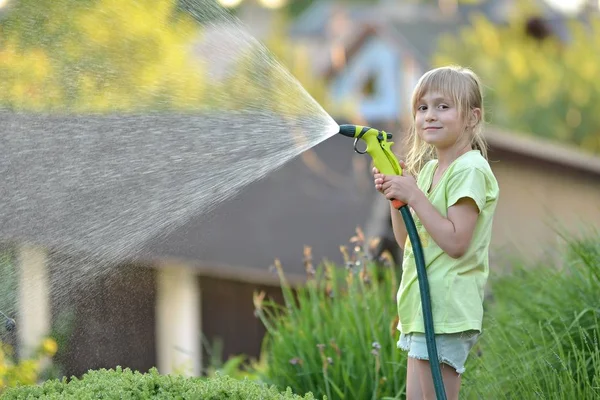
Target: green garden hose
(415,241)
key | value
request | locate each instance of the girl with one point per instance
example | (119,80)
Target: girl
(453,200)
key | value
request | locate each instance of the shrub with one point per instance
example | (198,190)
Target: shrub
(126,384)
(336,335)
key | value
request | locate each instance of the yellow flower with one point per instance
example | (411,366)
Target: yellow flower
(258,299)
(49,347)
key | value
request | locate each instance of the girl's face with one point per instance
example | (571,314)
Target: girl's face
(438,122)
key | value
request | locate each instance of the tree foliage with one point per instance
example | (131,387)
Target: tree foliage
(536,83)
(111,55)
(97,55)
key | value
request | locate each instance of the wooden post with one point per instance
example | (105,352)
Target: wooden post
(178,321)
(34,317)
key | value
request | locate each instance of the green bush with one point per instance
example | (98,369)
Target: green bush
(542,331)
(336,335)
(125,384)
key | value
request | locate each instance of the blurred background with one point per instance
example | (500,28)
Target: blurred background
(187,302)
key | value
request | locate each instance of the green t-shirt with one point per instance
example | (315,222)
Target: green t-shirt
(456,285)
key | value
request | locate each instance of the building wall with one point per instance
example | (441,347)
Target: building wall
(105,315)
(539,202)
(228,316)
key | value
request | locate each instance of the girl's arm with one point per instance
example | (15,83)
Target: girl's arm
(454,233)
(398,226)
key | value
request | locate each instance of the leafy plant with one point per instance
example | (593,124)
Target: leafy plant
(126,384)
(238,367)
(336,336)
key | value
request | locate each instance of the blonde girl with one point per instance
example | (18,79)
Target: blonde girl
(453,199)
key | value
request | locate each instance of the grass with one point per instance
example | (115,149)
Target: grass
(542,330)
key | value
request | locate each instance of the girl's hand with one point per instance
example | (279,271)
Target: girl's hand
(378,177)
(400,187)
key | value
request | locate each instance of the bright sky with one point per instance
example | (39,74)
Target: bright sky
(3,3)
(234,3)
(224,3)
(568,6)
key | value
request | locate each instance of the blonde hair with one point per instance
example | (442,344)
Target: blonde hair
(463,87)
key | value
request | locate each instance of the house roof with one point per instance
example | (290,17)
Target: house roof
(313,22)
(543,150)
(422,37)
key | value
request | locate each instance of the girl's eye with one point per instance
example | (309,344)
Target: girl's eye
(443,106)
(422,108)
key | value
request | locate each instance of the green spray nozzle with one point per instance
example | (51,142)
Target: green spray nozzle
(378,147)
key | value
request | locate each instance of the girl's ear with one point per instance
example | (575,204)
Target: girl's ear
(474,117)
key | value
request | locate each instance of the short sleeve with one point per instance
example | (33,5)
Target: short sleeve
(469,182)
(425,175)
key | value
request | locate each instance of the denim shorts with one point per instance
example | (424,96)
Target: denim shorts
(453,348)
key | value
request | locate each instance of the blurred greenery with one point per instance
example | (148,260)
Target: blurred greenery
(542,329)
(109,55)
(544,86)
(8,283)
(26,371)
(97,55)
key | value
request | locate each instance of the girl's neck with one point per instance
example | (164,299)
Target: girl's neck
(448,155)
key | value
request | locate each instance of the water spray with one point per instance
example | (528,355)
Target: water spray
(10,323)
(379,148)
